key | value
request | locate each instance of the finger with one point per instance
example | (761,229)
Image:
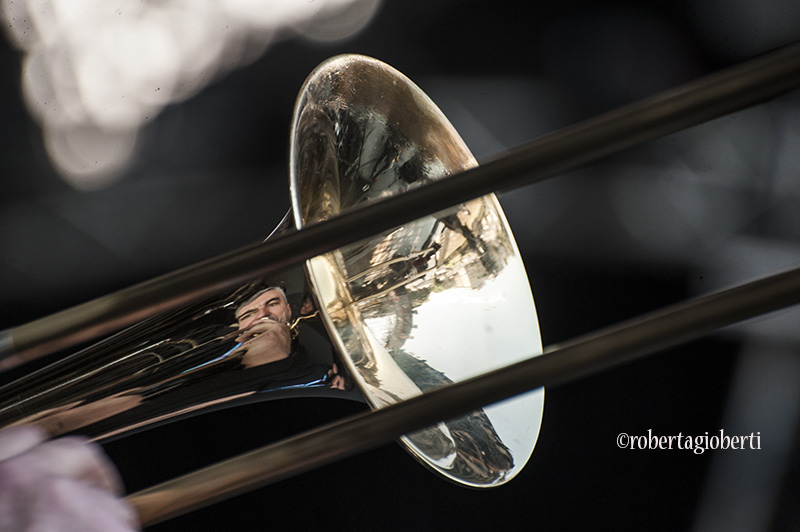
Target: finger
(75,458)
(266,324)
(259,326)
(58,504)
(103,511)
(262,327)
(339,383)
(17,440)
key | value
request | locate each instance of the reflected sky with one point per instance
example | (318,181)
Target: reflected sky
(506,299)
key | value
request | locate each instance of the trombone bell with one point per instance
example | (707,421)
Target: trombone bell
(441,299)
(435,301)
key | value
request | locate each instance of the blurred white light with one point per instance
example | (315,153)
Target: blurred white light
(96,70)
(89,157)
(338,24)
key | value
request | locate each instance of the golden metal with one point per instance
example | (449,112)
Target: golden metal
(694,103)
(361,131)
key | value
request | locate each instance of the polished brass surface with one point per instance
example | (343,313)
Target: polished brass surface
(391,315)
(431,302)
(575,359)
(179,364)
(632,341)
(572,147)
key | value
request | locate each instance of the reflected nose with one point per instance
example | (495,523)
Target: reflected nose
(260,313)
(270,313)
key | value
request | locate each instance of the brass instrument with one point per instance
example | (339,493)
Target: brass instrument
(358,138)
(434,301)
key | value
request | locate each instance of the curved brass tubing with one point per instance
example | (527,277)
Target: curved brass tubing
(352,160)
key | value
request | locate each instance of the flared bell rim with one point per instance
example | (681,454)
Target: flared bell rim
(369,88)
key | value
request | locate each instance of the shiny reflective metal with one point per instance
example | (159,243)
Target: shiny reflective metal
(438,300)
(441,299)
(696,102)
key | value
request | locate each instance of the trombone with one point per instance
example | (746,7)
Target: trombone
(725,92)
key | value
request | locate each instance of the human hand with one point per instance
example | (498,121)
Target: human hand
(265,341)
(65,484)
(337,380)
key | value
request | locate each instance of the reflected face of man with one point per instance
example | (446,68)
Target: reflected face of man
(270,304)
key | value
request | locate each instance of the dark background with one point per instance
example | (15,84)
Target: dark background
(674,218)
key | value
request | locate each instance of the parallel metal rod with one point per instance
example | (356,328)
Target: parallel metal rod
(559,364)
(712,96)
